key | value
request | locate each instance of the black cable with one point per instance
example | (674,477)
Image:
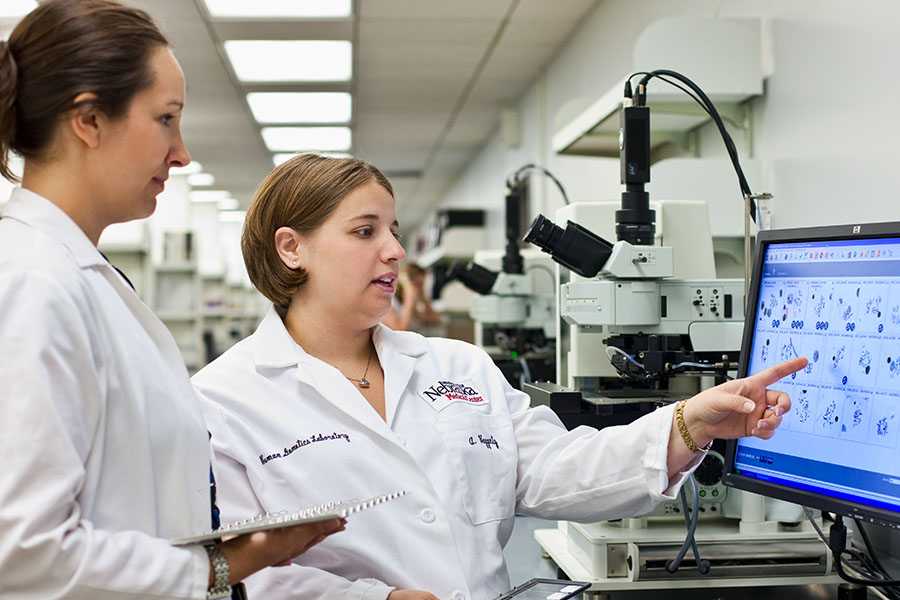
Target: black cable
(872,565)
(670,82)
(726,137)
(703,100)
(516,178)
(729,143)
(691,519)
(866,564)
(869,547)
(837,542)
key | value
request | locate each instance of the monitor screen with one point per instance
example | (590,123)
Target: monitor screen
(832,295)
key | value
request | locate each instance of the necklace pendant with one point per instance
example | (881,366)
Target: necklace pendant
(364,383)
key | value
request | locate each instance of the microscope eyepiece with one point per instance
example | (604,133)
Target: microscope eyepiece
(543,233)
(475,277)
(575,248)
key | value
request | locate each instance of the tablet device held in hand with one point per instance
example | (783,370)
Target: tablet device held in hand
(323,512)
(545,589)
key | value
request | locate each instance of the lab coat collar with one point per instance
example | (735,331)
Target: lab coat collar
(273,346)
(401,342)
(400,350)
(36,211)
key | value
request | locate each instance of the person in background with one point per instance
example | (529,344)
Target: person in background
(414,311)
(323,392)
(105,452)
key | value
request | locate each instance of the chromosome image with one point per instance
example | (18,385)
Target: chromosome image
(855,417)
(803,407)
(863,369)
(828,419)
(884,423)
(891,310)
(837,360)
(818,306)
(788,350)
(872,301)
(888,376)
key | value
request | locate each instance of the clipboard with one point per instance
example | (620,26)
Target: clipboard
(545,589)
(322,512)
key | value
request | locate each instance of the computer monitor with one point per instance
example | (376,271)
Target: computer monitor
(832,295)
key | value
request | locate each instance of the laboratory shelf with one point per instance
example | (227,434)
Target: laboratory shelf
(724,58)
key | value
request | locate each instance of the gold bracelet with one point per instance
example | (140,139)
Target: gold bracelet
(685,434)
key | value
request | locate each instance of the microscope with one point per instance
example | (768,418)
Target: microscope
(648,325)
(515,309)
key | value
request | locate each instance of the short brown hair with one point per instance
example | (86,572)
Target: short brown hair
(301,193)
(64,48)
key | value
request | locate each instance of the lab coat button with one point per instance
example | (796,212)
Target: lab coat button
(427,516)
(401,441)
(458,596)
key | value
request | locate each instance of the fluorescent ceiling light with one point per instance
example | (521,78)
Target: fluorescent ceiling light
(281,157)
(300,107)
(232,216)
(191,168)
(291,60)
(301,9)
(200,179)
(295,139)
(208,195)
(228,204)
(16,8)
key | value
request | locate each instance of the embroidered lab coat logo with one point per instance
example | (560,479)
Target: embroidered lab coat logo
(443,393)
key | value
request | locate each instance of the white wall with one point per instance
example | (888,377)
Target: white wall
(825,131)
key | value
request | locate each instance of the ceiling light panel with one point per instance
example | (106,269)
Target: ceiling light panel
(208,195)
(200,179)
(189,169)
(301,107)
(12,9)
(232,216)
(299,9)
(296,139)
(281,157)
(290,60)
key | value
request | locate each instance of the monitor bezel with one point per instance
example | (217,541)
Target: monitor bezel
(847,508)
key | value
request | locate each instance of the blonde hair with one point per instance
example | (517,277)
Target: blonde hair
(301,193)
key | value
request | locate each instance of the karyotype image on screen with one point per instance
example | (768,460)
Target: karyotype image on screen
(836,303)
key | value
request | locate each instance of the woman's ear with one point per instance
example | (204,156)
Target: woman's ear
(288,244)
(85,121)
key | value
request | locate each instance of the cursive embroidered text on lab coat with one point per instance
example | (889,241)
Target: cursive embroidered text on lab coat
(300,443)
(487,441)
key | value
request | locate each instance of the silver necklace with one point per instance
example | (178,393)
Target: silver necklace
(363,382)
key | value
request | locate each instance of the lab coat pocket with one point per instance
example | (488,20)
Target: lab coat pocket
(482,454)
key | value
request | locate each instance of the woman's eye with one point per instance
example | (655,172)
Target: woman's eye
(364,232)
(397,235)
(165,119)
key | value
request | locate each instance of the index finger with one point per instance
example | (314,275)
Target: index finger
(779,371)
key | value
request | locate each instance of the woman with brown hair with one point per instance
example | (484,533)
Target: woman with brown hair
(324,402)
(105,453)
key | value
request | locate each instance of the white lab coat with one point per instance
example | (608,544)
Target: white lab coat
(103,446)
(289,431)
